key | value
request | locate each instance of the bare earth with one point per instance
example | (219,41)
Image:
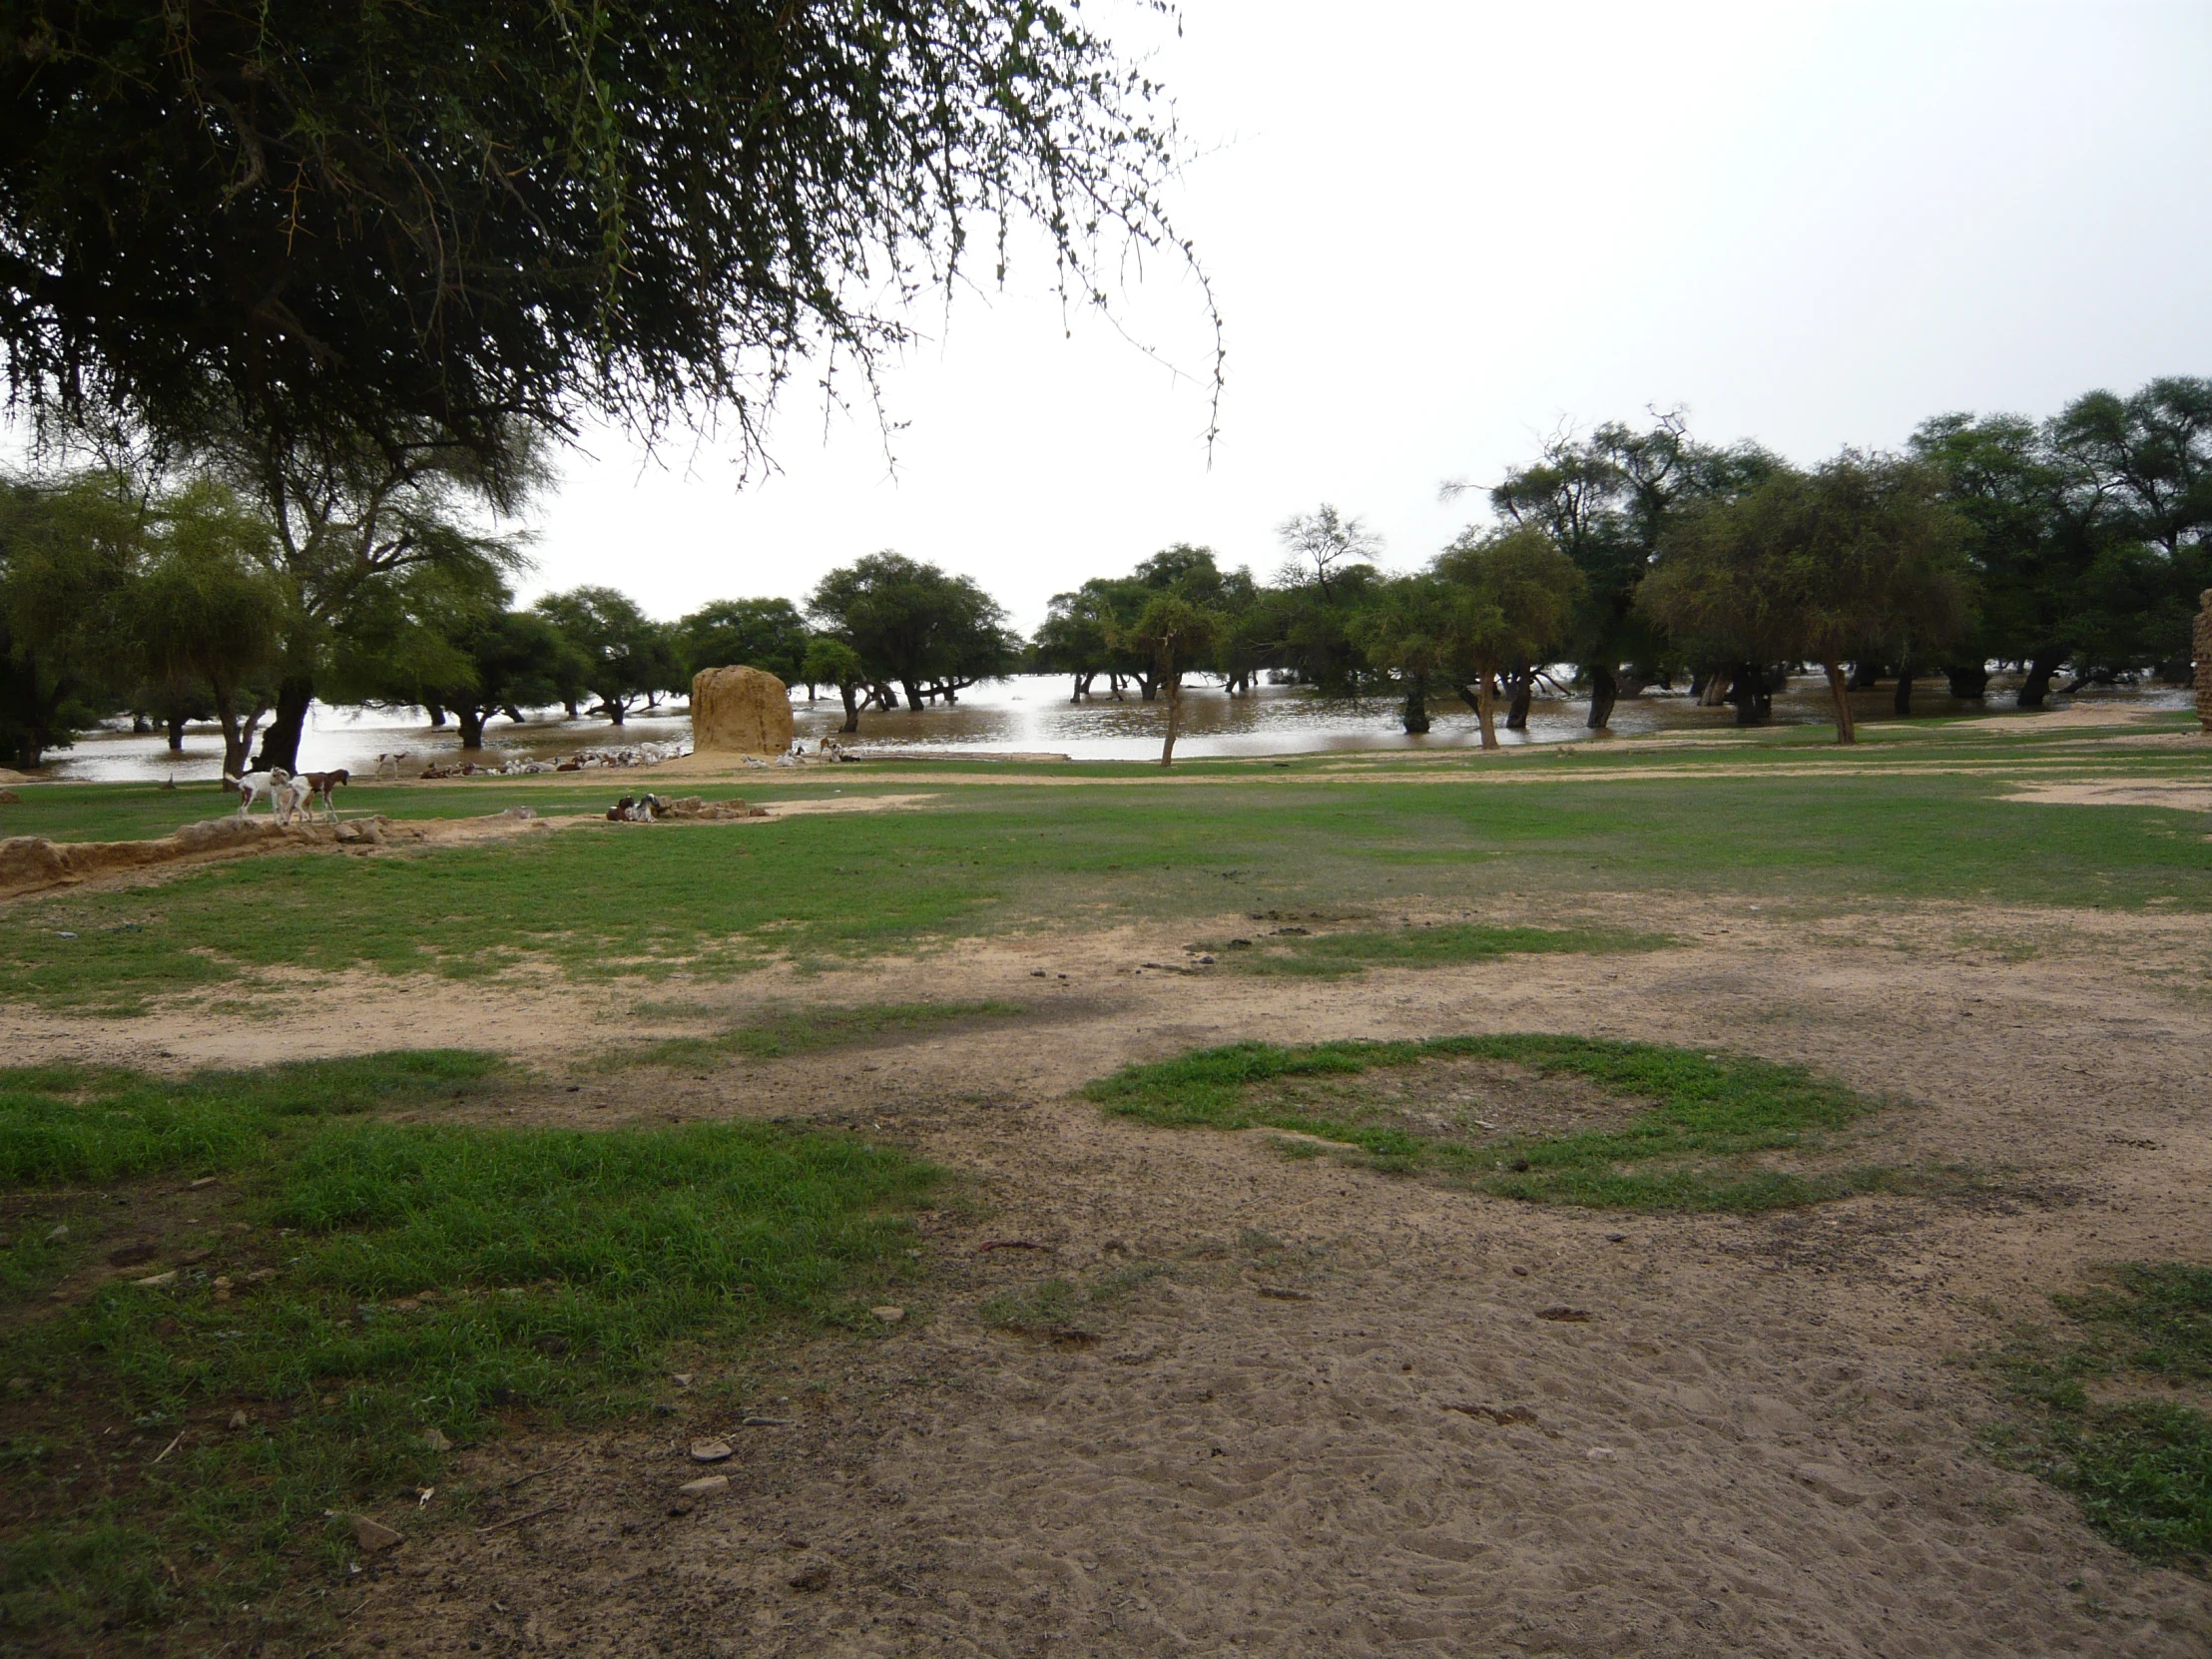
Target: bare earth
(1314,1410)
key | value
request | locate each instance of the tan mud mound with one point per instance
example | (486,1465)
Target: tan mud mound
(741,711)
(29,864)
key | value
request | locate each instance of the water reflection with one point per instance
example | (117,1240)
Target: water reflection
(1035,714)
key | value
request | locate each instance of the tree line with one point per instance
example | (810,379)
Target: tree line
(1616,560)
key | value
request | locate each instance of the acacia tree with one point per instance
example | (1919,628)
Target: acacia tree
(208,611)
(767,634)
(69,552)
(1177,634)
(1322,545)
(628,657)
(340,223)
(832,662)
(1514,593)
(913,626)
(1413,629)
(1819,567)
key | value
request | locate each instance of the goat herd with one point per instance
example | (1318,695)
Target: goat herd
(289,795)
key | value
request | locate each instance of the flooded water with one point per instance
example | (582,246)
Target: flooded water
(1033,714)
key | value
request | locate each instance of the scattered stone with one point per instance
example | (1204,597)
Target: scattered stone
(238,1420)
(1602,1454)
(1519,1166)
(374,1536)
(1560,1313)
(889,1316)
(158,1279)
(682,1378)
(704,1484)
(815,1578)
(58,1232)
(710,1452)
(1239,944)
(435,1439)
(204,1180)
(1521,1272)
(129,1255)
(261,1276)
(766,1422)
(1616,1237)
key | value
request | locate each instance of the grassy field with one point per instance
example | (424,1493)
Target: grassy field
(330,1300)
(1777,819)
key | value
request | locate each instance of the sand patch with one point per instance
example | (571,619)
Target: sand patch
(2184,798)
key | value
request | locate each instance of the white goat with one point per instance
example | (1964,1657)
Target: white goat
(256,784)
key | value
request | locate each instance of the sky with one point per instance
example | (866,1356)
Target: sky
(1438,233)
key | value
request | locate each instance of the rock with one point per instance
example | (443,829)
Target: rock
(58,1232)
(1602,1454)
(1560,1313)
(358,832)
(374,1536)
(705,1484)
(435,1441)
(766,1422)
(740,711)
(524,813)
(158,1279)
(238,1420)
(889,1316)
(710,1452)
(815,1578)
(682,1378)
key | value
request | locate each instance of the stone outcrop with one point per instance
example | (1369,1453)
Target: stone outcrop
(740,711)
(30,862)
(2203,654)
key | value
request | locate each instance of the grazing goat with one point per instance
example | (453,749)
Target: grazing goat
(321,784)
(289,798)
(253,785)
(388,765)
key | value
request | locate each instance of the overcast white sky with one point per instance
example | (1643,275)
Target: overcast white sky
(1439,231)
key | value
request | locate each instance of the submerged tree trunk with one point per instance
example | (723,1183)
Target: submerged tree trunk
(472,726)
(850,693)
(2036,689)
(1901,703)
(1416,703)
(1175,717)
(1748,691)
(1866,675)
(1839,693)
(436,711)
(1968,681)
(280,743)
(175,734)
(1605,691)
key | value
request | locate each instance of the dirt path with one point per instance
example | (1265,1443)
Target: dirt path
(1316,1412)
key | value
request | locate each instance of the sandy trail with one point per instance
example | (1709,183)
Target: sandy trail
(1761,1442)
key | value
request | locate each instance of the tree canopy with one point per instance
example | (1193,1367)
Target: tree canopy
(365,223)
(915,627)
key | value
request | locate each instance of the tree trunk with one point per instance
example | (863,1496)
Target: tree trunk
(2036,689)
(1484,694)
(1517,712)
(281,742)
(914,695)
(436,711)
(1148,687)
(175,734)
(472,726)
(1719,683)
(1748,691)
(1865,675)
(1968,681)
(851,708)
(1416,703)
(1175,719)
(1605,691)
(1901,701)
(1839,693)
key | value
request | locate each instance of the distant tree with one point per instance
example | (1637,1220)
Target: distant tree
(70,551)
(767,634)
(1177,634)
(629,657)
(1819,567)
(1072,639)
(1515,594)
(913,626)
(1413,629)
(209,613)
(1322,544)
(832,662)
(1605,499)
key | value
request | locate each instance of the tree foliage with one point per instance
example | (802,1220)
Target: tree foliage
(915,627)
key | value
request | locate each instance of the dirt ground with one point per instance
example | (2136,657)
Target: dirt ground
(1311,1409)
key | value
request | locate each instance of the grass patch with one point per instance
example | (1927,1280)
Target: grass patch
(1055,1310)
(808,1031)
(2139,1465)
(1705,1138)
(346,1286)
(1334,955)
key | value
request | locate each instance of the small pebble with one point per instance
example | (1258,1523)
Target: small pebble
(710,1452)
(889,1316)
(704,1484)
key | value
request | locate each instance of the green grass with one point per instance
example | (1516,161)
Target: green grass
(1707,1139)
(426,1275)
(2139,1465)
(1334,955)
(1509,837)
(808,1030)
